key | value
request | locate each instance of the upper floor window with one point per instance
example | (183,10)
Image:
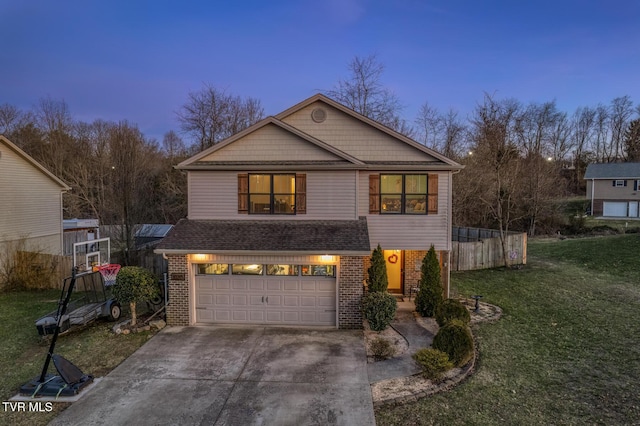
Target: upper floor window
(272,194)
(619,182)
(403,194)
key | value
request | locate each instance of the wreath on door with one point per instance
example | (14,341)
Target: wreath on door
(393,258)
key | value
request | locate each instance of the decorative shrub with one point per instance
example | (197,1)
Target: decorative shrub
(382,349)
(434,363)
(456,341)
(133,285)
(452,309)
(377,278)
(430,294)
(378,309)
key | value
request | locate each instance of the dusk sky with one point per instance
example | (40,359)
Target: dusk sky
(138,60)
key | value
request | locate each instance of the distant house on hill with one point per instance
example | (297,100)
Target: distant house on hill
(30,202)
(614,189)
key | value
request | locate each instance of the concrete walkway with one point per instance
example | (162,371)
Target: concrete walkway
(417,337)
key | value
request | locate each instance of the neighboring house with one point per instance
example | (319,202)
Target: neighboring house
(282,218)
(30,202)
(149,234)
(613,189)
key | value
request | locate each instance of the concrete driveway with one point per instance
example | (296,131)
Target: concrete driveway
(235,376)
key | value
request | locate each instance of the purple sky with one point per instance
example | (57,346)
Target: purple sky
(137,60)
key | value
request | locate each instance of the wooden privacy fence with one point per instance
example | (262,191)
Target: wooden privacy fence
(40,270)
(477,248)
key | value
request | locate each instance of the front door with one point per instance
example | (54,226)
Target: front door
(393,258)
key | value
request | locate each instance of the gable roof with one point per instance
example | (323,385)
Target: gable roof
(380,127)
(339,157)
(613,171)
(267,236)
(33,162)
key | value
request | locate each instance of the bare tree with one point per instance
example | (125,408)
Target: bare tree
(583,126)
(621,110)
(632,141)
(211,115)
(173,145)
(429,125)
(364,93)
(496,153)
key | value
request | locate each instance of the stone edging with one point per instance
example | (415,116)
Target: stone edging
(426,387)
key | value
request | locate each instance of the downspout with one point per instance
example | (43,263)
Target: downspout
(593,188)
(357,190)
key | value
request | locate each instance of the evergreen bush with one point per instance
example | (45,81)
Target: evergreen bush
(452,309)
(377,277)
(455,340)
(430,293)
(133,285)
(434,363)
(378,309)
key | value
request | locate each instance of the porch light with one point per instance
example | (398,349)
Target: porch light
(199,257)
(326,258)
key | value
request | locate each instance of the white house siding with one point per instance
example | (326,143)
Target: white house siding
(409,232)
(330,195)
(30,204)
(271,143)
(354,136)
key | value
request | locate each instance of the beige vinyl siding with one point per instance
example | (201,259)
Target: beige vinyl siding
(30,203)
(604,190)
(406,231)
(353,136)
(214,195)
(271,143)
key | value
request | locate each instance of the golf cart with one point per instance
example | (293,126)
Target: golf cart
(90,299)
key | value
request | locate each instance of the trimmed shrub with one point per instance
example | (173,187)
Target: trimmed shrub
(377,272)
(452,309)
(434,363)
(430,294)
(381,349)
(133,285)
(456,341)
(378,309)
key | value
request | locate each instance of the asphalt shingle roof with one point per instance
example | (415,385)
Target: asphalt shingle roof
(322,236)
(613,171)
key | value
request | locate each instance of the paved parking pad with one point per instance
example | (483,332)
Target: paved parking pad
(233,376)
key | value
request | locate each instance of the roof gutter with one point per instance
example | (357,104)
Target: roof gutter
(165,252)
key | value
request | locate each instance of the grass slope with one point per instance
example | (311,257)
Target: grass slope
(93,348)
(566,349)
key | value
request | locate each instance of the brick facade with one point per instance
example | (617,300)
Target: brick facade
(178,306)
(350,292)
(412,269)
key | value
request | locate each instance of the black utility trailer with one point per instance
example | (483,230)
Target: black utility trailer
(90,299)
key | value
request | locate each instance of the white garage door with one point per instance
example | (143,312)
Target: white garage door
(277,300)
(614,209)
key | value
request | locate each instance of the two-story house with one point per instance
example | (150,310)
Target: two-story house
(282,218)
(30,203)
(613,189)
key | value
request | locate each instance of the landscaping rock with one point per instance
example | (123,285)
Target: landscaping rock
(159,324)
(126,331)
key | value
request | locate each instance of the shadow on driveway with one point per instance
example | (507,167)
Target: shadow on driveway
(235,376)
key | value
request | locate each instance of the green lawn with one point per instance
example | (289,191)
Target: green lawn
(93,348)
(566,350)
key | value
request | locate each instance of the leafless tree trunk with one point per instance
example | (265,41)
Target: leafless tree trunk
(211,115)
(364,93)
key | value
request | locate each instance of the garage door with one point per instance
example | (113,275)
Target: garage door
(614,209)
(277,300)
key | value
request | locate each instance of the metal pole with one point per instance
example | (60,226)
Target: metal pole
(57,330)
